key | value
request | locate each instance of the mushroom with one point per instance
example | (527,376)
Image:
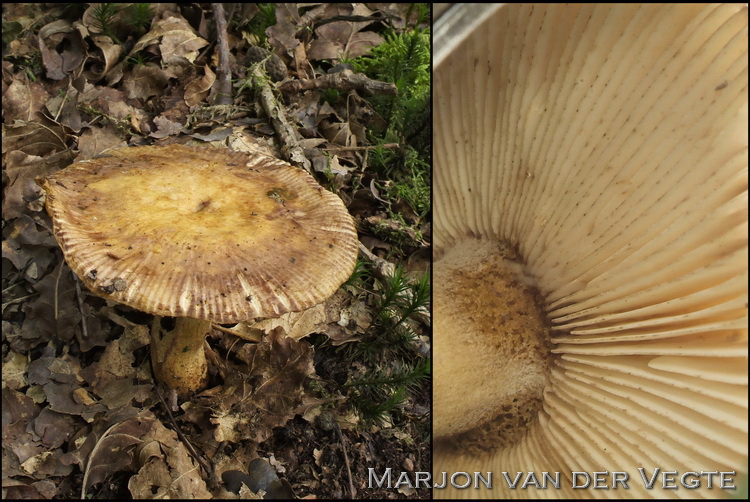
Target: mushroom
(590,223)
(203,235)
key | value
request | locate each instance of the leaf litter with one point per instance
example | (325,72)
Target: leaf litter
(81,414)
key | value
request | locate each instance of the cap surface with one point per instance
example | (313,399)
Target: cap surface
(200,232)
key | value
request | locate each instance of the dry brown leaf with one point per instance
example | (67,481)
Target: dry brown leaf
(318,319)
(53,428)
(296,325)
(344,38)
(239,459)
(60,377)
(216,136)
(63,107)
(107,55)
(96,140)
(165,127)
(23,99)
(177,40)
(60,33)
(168,472)
(281,35)
(112,375)
(15,367)
(322,48)
(54,313)
(114,450)
(242,141)
(268,396)
(90,23)
(39,137)
(197,90)
(27,247)
(46,464)
(15,489)
(145,81)
(338,133)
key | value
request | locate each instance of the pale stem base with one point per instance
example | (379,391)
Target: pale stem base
(178,356)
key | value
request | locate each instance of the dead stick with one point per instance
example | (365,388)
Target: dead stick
(223,88)
(346,459)
(359,148)
(84,330)
(342,81)
(290,149)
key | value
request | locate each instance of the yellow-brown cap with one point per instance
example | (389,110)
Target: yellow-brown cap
(200,232)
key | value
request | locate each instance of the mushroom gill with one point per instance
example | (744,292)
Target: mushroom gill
(590,165)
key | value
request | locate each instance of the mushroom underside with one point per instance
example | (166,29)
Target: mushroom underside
(605,145)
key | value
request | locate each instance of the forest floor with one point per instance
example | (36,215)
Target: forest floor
(302,406)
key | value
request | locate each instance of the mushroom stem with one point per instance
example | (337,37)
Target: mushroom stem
(178,356)
(503,330)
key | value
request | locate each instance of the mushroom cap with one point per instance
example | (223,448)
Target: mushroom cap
(201,232)
(607,144)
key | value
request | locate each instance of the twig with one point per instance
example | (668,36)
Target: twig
(12,285)
(346,458)
(223,88)
(84,330)
(359,148)
(345,80)
(57,287)
(62,105)
(290,149)
(376,16)
(17,300)
(381,268)
(206,466)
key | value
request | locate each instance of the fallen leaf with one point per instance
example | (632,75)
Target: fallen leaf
(197,90)
(281,35)
(165,127)
(178,42)
(51,36)
(15,367)
(168,473)
(344,39)
(268,396)
(55,312)
(113,451)
(63,108)
(218,134)
(145,81)
(39,137)
(104,58)
(28,247)
(95,140)
(53,428)
(23,99)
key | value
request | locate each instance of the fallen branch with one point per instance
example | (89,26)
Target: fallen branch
(222,89)
(79,296)
(359,148)
(345,80)
(290,148)
(382,269)
(352,492)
